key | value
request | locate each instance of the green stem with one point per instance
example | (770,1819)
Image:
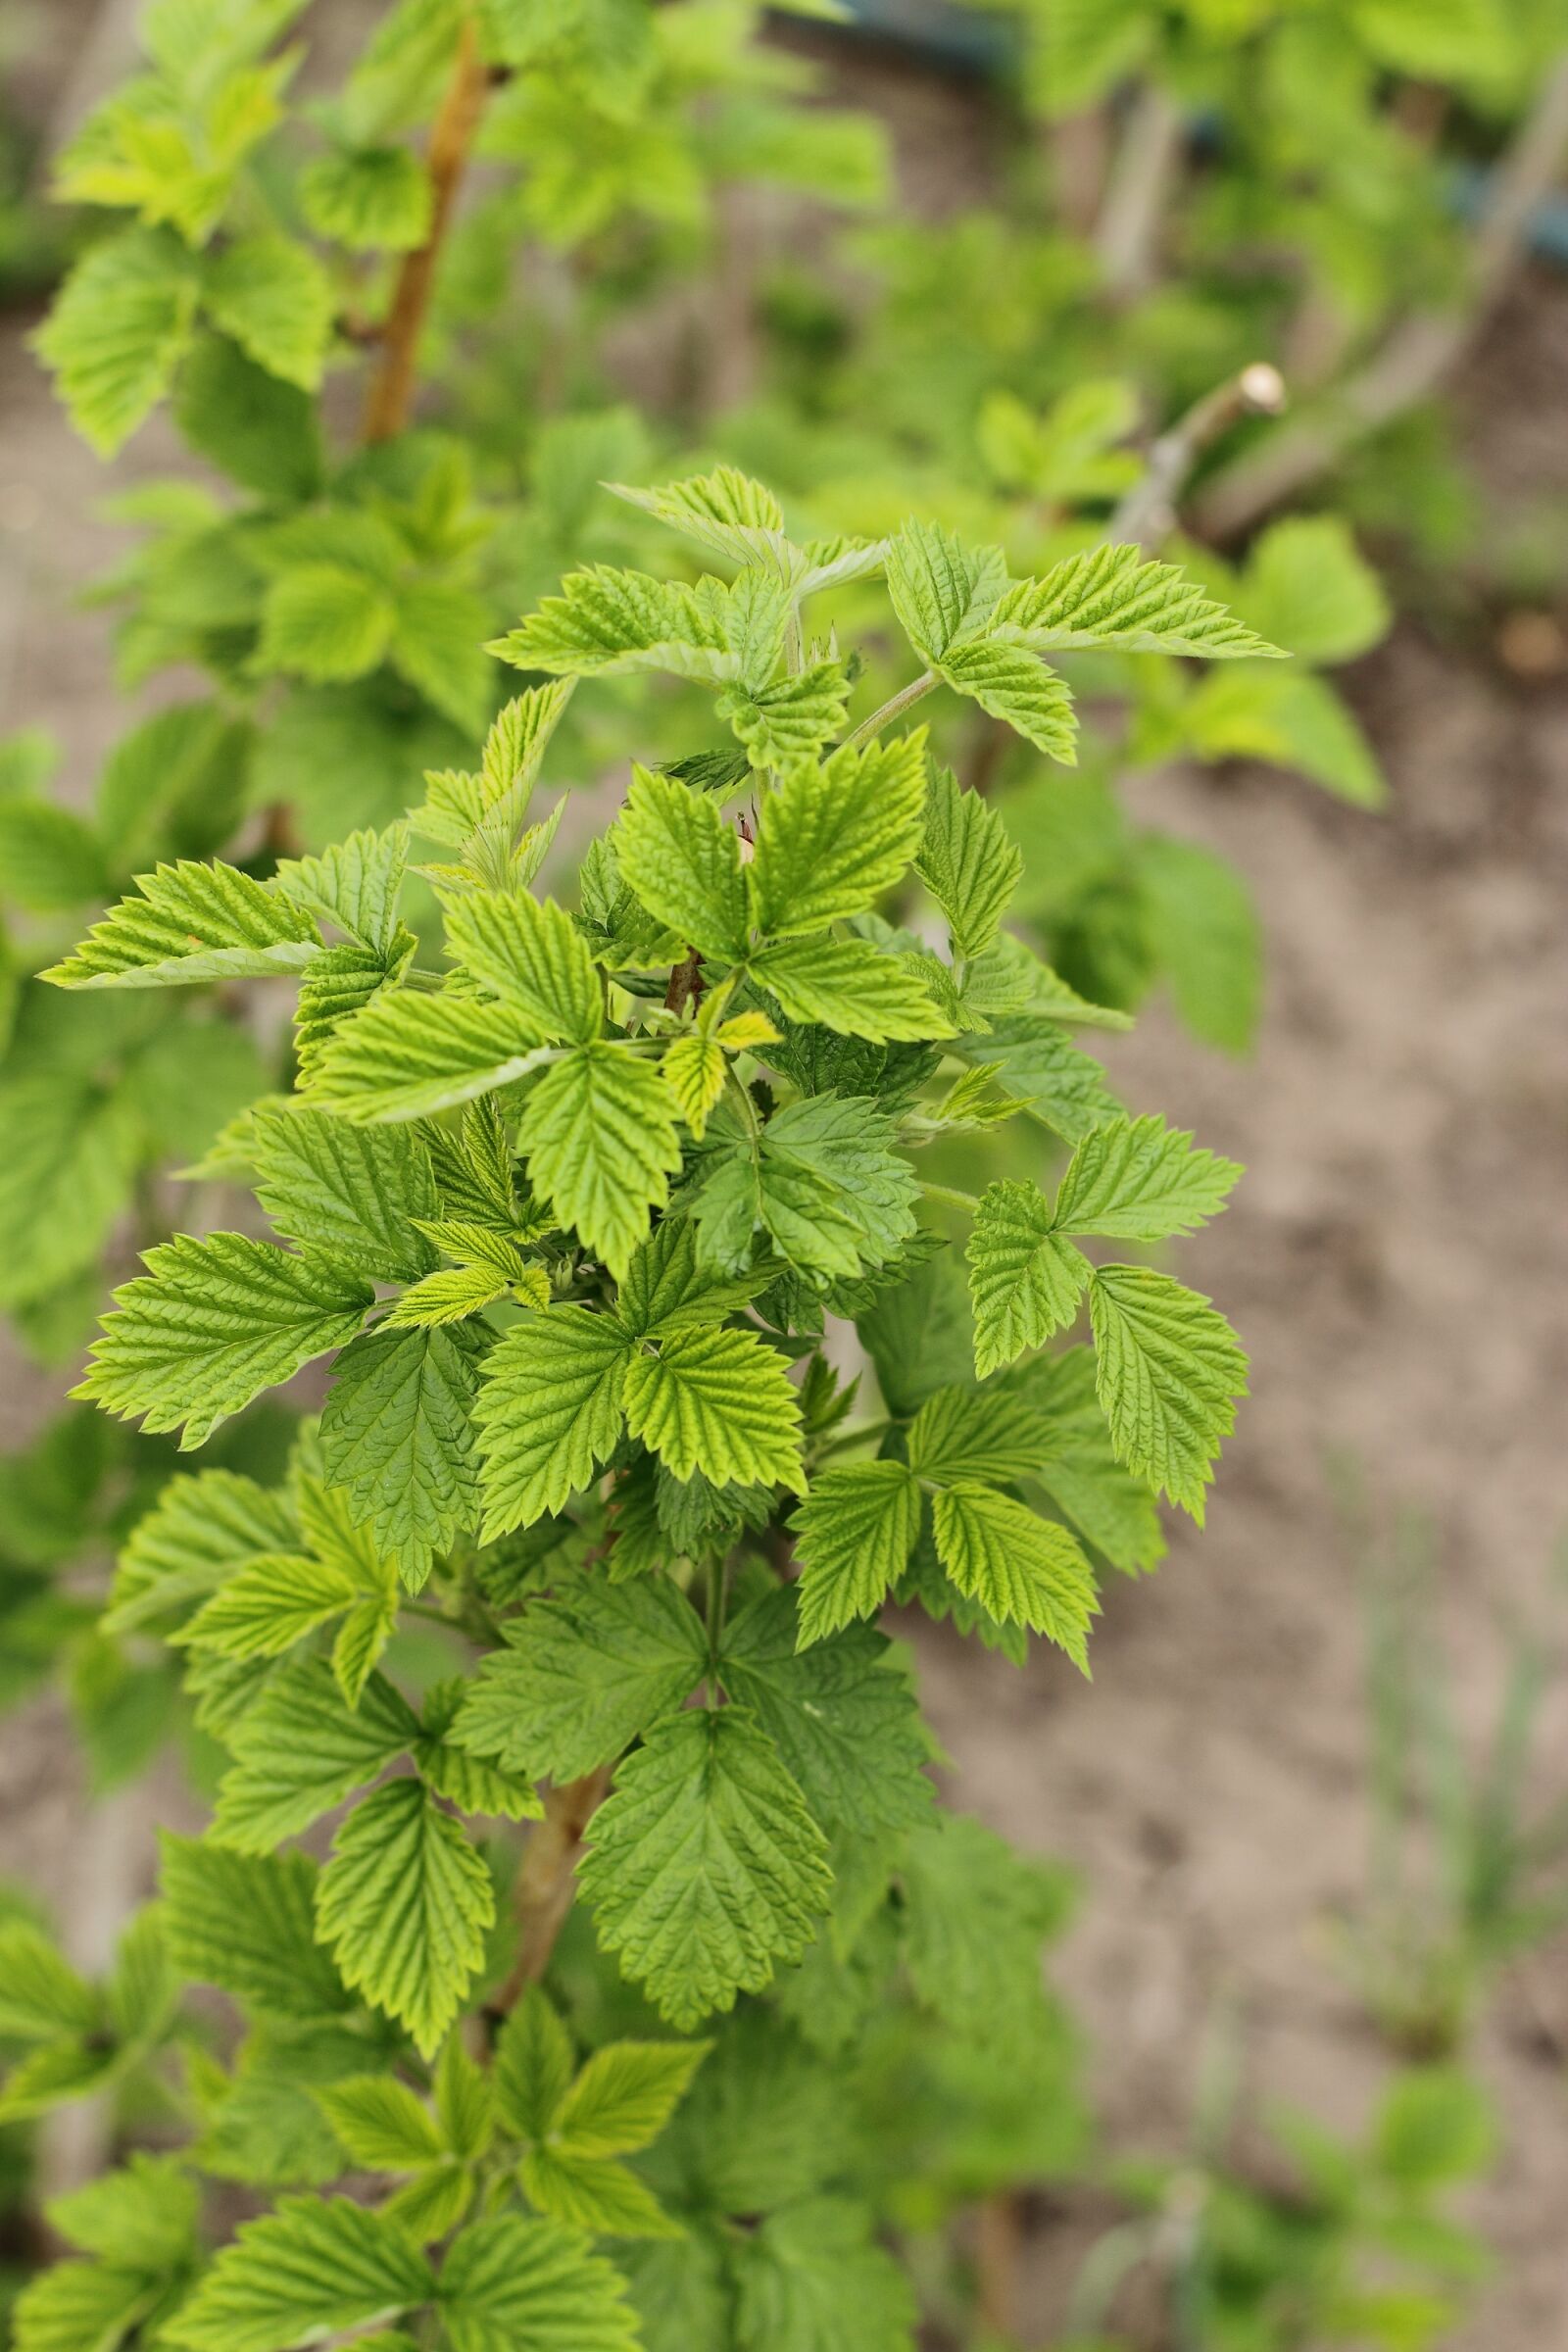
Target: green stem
(890,709)
(754,1124)
(951,1195)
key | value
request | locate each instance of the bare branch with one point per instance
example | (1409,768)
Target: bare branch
(391,394)
(1148,513)
(1420,353)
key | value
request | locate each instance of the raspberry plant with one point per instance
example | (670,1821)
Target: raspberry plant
(588,1217)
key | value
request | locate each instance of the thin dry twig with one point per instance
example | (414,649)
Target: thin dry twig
(547,1880)
(1421,352)
(1148,513)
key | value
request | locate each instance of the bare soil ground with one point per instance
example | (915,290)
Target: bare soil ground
(1398,1262)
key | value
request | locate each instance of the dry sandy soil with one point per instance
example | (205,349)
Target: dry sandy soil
(1398,1262)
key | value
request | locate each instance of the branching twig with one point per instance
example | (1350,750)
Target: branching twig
(1419,352)
(1148,513)
(386,410)
(1148,153)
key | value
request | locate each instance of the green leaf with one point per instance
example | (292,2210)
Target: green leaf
(606,621)
(202,1528)
(684,862)
(144,2216)
(1015,686)
(407,1055)
(353,1193)
(850,986)
(831,839)
(548,1413)
(1206,935)
(118,329)
(299,1750)
(459,1777)
(587,1671)
(326,621)
(790,719)
(406,1903)
(822,1182)
(41,1996)
(942,591)
(1075,1463)
(968,862)
(1140,1180)
(355,884)
(855,1531)
(844,1723)
(369,198)
(976,1914)
(625,2096)
(725,512)
(1169,1370)
(601,1145)
(510,2284)
(1434,2126)
(1292,718)
(1025,1281)
(704,1870)
(1309,588)
(1062,1088)
(315,2265)
(530,953)
(813,2279)
(1022,1570)
(533,2066)
(63,1141)
(1110,596)
(50,857)
(594,2195)
(718,1401)
(210,1325)
(272,1602)
(247,1924)
(192,923)
(81,2306)
(959,1433)
(397,1437)
(262,433)
(275,299)
(381,2124)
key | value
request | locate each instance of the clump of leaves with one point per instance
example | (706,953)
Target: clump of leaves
(1352,2242)
(582,1217)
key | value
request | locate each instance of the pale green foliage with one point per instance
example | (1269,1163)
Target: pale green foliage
(568,1208)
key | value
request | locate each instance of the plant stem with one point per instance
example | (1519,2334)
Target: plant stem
(890,709)
(1148,513)
(950,1193)
(685,983)
(547,1879)
(386,411)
